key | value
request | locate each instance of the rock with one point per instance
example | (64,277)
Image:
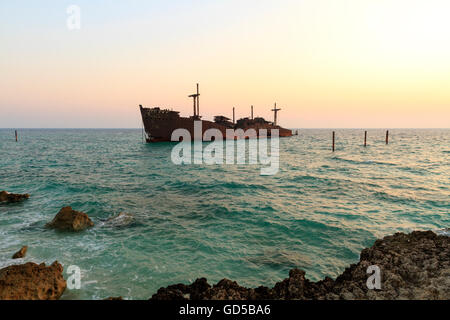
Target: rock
(31,281)
(12,197)
(195,291)
(70,220)
(173,292)
(413,266)
(293,287)
(198,289)
(261,293)
(123,219)
(228,290)
(21,253)
(114,298)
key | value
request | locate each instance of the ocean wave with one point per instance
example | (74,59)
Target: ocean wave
(443,232)
(317,212)
(364,162)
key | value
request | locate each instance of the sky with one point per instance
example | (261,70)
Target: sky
(327,63)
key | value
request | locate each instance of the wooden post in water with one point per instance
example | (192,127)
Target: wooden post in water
(365,138)
(16,136)
(333,141)
(387,136)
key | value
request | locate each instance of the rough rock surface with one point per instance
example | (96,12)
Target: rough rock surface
(114,298)
(413,266)
(12,197)
(70,220)
(31,281)
(21,253)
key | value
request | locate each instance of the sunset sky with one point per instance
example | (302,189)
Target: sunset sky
(327,63)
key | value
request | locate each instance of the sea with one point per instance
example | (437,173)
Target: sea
(187,221)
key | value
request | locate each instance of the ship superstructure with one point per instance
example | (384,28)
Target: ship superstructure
(159,124)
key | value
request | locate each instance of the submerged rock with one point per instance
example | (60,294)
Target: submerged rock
(31,281)
(123,219)
(70,220)
(277,257)
(413,266)
(12,197)
(21,253)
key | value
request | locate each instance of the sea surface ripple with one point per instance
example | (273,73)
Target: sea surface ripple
(216,221)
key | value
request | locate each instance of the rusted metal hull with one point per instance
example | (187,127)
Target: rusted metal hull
(160,126)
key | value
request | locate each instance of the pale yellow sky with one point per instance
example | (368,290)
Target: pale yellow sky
(346,63)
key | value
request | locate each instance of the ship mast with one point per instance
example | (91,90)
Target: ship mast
(275,111)
(252,112)
(196,98)
(198,101)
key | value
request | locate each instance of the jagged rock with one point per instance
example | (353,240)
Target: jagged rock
(198,289)
(413,266)
(226,289)
(195,291)
(31,281)
(70,220)
(21,253)
(262,293)
(114,298)
(173,292)
(12,197)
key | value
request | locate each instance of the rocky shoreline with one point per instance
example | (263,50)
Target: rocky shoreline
(411,266)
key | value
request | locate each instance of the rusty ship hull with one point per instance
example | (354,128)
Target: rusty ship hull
(159,125)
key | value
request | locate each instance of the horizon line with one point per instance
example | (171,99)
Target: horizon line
(300,128)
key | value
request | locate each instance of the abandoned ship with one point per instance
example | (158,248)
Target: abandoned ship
(160,123)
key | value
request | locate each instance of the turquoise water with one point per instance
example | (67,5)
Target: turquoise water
(216,221)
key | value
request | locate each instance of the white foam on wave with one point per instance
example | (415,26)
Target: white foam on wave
(443,232)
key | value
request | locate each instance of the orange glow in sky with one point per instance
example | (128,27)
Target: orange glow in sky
(348,63)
